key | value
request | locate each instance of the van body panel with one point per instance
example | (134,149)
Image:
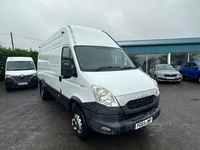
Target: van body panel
(123,99)
(17,73)
(78,87)
(113,82)
(116,81)
(88,36)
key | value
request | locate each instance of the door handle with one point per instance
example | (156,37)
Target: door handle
(60,78)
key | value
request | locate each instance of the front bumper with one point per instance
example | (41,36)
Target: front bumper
(165,79)
(11,83)
(119,123)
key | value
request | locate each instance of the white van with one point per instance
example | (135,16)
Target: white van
(92,76)
(20,72)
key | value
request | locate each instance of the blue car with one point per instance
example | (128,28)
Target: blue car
(190,70)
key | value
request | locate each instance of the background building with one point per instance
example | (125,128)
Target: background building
(162,51)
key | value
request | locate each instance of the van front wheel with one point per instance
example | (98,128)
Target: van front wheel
(35,86)
(43,93)
(8,89)
(79,124)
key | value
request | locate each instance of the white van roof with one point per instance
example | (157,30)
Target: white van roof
(89,36)
(19,59)
(82,36)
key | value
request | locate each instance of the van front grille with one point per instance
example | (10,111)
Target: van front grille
(140,102)
(18,79)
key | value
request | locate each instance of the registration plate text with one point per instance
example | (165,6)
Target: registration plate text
(24,83)
(143,123)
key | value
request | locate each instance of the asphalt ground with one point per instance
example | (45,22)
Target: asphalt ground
(28,123)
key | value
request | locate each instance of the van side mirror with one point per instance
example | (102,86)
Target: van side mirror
(2,70)
(66,69)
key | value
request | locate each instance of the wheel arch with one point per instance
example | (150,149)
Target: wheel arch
(198,77)
(42,82)
(74,101)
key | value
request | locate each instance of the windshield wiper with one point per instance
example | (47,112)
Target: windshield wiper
(14,69)
(107,67)
(21,69)
(128,68)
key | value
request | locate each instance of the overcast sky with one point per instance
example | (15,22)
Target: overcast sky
(122,19)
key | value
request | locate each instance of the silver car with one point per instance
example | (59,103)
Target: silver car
(165,72)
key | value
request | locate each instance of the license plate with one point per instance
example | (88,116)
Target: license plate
(171,78)
(143,123)
(24,83)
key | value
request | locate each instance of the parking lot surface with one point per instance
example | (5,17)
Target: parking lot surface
(28,123)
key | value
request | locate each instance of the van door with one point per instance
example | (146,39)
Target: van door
(67,85)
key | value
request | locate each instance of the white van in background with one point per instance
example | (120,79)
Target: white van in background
(20,72)
(92,76)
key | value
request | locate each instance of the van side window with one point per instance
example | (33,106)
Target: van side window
(65,53)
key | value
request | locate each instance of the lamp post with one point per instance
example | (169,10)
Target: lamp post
(12,40)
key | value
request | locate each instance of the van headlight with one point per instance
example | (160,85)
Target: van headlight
(104,97)
(156,84)
(7,76)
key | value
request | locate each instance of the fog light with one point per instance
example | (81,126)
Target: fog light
(106,129)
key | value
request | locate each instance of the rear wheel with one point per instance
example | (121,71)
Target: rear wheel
(79,124)
(199,78)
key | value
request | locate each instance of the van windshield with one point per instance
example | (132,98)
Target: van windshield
(20,65)
(95,58)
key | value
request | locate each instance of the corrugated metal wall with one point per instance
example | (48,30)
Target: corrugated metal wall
(161,49)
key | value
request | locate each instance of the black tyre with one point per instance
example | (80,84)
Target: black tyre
(79,124)
(43,93)
(183,78)
(178,82)
(35,86)
(199,78)
(8,89)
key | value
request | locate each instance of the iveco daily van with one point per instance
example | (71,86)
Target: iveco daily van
(20,72)
(92,76)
